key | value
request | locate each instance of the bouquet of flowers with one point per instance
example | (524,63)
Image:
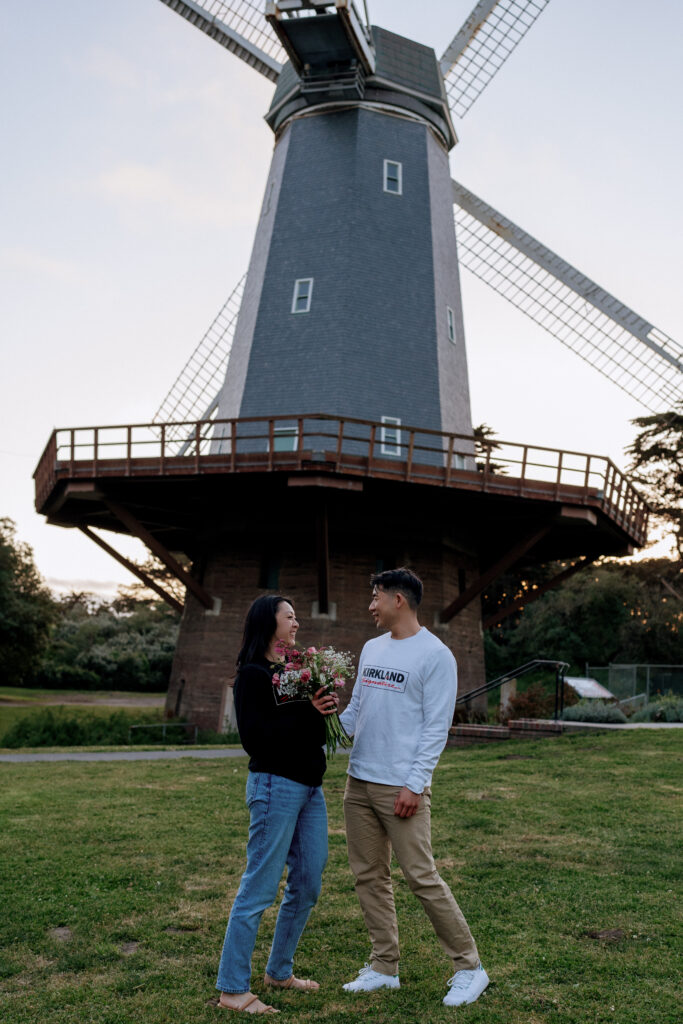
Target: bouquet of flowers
(303,673)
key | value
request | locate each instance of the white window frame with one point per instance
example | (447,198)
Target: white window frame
(450,321)
(390,429)
(282,433)
(399,177)
(301,292)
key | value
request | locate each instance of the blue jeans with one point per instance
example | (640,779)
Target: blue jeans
(288,826)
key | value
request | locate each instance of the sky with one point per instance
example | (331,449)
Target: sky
(135,156)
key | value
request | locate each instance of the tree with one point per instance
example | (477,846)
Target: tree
(136,592)
(657,467)
(612,612)
(484,447)
(26,609)
(126,644)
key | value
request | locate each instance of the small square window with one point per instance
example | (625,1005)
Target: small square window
(450,316)
(285,439)
(393,177)
(303,290)
(390,436)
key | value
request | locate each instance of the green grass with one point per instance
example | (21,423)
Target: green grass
(542,843)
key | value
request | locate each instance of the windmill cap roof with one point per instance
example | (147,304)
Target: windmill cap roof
(406,74)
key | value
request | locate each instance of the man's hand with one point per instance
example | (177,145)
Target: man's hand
(406,803)
(324,702)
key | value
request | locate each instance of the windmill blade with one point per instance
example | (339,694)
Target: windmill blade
(483,44)
(240,27)
(619,343)
(194,396)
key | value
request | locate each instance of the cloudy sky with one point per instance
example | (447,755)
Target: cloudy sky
(135,157)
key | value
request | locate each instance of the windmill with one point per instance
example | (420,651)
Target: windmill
(333,383)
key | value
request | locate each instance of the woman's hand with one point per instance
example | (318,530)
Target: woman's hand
(324,702)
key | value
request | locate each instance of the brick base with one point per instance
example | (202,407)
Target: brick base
(467,735)
(232,570)
(516,729)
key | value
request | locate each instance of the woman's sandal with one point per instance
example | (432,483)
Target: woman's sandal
(291,982)
(246,1002)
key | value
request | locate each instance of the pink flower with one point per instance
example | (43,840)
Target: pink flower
(276,679)
(311,650)
(289,667)
(339,683)
(305,675)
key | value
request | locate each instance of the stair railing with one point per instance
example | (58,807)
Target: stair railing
(560,672)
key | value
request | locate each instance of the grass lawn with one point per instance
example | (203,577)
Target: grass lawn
(116,881)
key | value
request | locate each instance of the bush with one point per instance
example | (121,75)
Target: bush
(665,709)
(594,711)
(59,728)
(466,715)
(534,702)
(206,736)
(65,677)
(107,647)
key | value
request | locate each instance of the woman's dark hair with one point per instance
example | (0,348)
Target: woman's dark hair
(259,627)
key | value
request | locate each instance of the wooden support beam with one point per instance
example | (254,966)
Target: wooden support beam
(533,595)
(323,558)
(132,567)
(501,566)
(138,530)
(325,481)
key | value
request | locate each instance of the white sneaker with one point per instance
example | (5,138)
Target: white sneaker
(466,986)
(369,980)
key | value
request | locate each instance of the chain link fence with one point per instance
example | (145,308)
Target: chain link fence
(627,682)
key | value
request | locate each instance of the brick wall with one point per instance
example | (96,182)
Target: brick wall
(208,644)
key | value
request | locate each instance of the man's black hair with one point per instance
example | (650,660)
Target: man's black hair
(259,627)
(403,580)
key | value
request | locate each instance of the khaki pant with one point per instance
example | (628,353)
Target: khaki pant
(372,830)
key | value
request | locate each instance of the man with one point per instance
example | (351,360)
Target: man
(399,715)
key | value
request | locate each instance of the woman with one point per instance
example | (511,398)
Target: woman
(288,817)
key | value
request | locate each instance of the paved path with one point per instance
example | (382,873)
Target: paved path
(123,755)
(161,755)
(589,726)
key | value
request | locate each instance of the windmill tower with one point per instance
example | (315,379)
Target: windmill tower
(322,428)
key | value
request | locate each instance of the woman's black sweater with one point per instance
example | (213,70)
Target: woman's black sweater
(283,737)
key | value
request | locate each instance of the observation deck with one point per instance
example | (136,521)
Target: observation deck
(171,483)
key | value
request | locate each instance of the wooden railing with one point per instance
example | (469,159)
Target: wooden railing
(348,446)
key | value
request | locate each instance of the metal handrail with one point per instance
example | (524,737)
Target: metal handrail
(164,726)
(529,666)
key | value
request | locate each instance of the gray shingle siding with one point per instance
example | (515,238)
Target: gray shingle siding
(368,347)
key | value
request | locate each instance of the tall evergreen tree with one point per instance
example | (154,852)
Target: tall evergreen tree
(26,609)
(657,467)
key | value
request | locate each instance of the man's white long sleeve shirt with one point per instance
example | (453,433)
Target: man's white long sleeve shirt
(401,709)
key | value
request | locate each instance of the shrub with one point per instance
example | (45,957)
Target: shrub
(664,709)
(534,702)
(594,711)
(206,736)
(58,728)
(466,715)
(65,677)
